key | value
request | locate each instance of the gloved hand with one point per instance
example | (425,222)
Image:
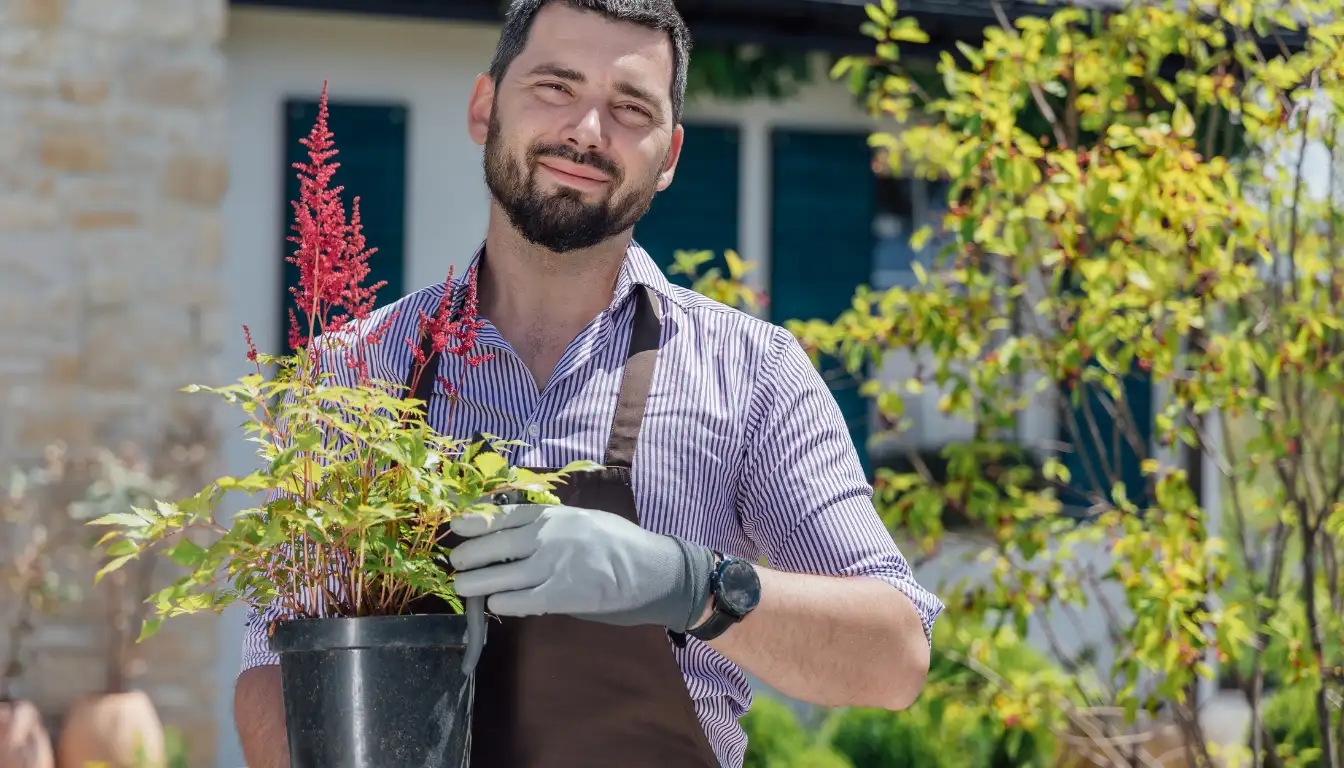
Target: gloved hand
(532,559)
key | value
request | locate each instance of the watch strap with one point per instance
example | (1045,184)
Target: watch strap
(718,622)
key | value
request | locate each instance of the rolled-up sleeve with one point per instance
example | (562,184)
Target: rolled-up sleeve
(804,499)
(256,642)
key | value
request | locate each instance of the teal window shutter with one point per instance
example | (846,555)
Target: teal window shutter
(698,212)
(822,243)
(372,144)
(1090,469)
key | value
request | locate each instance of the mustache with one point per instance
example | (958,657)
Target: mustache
(566,152)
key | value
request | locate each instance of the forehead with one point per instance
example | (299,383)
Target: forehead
(606,52)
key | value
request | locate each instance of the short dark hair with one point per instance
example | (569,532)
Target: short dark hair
(661,15)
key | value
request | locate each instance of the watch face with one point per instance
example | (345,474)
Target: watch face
(739,587)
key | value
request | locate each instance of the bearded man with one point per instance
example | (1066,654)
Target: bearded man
(629,612)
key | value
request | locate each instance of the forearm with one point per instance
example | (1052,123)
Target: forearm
(259,715)
(832,641)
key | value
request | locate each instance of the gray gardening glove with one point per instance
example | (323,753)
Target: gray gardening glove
(532,559)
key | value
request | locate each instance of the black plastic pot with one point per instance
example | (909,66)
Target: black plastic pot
(376,692)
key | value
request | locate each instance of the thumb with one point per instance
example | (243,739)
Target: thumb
(508,516)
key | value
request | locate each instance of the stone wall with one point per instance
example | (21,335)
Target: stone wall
(112,169)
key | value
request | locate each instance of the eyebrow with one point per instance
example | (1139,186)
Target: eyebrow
(575,76)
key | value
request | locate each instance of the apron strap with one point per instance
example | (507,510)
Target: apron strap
(636,381)
(424,387)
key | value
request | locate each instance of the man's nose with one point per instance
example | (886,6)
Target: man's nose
(586,132)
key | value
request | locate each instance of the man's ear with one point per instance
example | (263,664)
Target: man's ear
(478,108)
(673,155)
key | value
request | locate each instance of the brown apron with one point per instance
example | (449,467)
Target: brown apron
(559,692)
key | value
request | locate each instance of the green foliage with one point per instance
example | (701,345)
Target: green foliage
(1127,203)
(1290,721)
(878,739)
(774,735)
(729,290)
(996,719)
(354,475)
(988,693)
(739,73)
(775,739)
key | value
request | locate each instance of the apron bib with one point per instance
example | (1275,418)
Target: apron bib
(560,692)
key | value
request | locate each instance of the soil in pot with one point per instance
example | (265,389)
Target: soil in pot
(375,692)
(122,730)
(24,742)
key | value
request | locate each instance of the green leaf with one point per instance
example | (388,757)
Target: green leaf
(186,553)
(121,547)
(1054,470)
(920,237)
(490,464)
(149,628)
(907,31)
(580,465)
(123,519)
(920,274)
(111,566)
(1182,122)
(976,58)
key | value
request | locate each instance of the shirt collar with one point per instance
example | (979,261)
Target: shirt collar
(639,268)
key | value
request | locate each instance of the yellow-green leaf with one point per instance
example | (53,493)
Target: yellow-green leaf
(920,237)
(111,566)
(1182,122)
(186,553)
(490,464)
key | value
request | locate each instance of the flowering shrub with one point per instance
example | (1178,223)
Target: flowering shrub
(352,473)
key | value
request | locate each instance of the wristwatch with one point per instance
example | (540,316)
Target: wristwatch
(736,589)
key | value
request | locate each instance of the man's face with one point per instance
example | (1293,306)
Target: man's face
(579,133)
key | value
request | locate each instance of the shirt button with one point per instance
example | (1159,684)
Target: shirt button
(533,430)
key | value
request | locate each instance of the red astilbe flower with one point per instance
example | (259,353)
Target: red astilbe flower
(453,336)
(450,335)
(332,256)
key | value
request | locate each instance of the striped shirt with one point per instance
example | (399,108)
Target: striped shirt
(743,450)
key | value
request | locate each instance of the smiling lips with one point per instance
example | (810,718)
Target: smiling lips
(573,174)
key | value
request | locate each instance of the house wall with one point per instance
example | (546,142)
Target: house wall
(111,172)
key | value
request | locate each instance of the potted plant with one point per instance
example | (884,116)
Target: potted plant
(28,571)
(119,724)
(355,490)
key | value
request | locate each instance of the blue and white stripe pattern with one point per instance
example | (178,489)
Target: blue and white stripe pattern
(743,450)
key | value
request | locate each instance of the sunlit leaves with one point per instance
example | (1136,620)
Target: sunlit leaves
(342,518)
(1109,217)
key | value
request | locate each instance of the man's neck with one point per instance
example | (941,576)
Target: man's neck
(539,300)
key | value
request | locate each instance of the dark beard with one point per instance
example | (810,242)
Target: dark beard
(561,221)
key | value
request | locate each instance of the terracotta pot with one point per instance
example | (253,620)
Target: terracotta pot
(24,742)
(120,729)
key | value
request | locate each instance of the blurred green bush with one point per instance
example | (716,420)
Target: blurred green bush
(937,731)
